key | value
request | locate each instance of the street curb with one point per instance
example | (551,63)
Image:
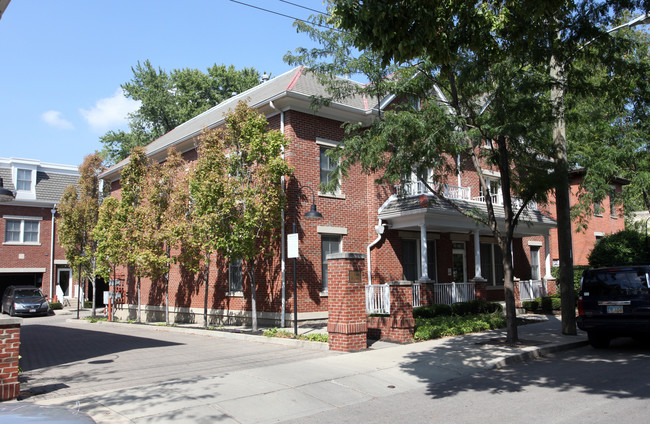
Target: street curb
(305,344)
(534,353)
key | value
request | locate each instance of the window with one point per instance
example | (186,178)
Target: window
(24,179)
(494,188)
(329,244)
(328,168)
(598,208)
(411,259)
(21,231)
(491,264)
(235,283)
(534,263)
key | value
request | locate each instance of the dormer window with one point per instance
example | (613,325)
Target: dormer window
(24,179)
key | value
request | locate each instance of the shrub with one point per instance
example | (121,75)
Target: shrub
(530,305)
(432,311)
(549,303)
(577,275)
(444,326)
(88,304)
(461,308)
(56,306)
(626,247)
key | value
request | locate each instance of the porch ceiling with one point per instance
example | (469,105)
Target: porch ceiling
(409,213)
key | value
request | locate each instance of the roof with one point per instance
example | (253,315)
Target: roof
(51,179)
(397,207)
(298,84)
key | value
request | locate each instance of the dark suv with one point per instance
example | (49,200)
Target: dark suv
(24,301)
(614,302)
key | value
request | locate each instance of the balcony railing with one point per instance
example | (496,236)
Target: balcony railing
(449,191)
(516,201)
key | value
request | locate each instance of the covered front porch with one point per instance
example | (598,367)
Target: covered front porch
(435,243)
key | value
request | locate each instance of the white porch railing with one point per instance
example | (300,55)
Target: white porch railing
(449,191)
(417,299)
(378,299)
(516,202)
(531,289)
(450,293)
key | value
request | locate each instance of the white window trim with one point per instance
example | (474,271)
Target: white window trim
(535,243)
(24,194)
(324,293)
(22,231)
(326,143)
(326,230)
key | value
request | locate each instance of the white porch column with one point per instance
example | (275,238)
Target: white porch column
(424,262)
(547,258)
(477,256)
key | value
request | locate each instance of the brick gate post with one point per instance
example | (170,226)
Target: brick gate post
(9,352)
(347,323)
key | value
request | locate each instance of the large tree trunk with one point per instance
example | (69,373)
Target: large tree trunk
(562,200)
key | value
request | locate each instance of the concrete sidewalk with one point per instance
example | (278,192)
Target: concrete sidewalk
(275,393)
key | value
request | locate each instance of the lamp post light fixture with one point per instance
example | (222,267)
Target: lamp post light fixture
(292,246)
(6,195)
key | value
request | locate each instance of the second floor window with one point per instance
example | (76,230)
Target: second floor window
(328,168)
(24,179)
(21,231)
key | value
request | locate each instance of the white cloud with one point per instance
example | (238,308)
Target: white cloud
(55,119)
(110,112)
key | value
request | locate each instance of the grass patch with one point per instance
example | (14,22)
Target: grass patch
(96,319)
(445,326)
(283,334)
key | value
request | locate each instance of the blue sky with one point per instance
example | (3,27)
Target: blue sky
(62,62)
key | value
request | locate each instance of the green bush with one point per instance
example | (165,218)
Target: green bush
(444,326)
(530,305)
(56,306)
(432,311)
(88,304)
(549,303)
(577,275)
(626,247)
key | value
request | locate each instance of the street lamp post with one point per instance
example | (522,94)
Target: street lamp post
(312,214)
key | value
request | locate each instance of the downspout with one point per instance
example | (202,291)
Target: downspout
(282,229)
(379,229)
(53,210)
(458,167)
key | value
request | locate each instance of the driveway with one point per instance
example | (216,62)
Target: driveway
(62,357)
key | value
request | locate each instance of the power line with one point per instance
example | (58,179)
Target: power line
(305,7)
(284,15)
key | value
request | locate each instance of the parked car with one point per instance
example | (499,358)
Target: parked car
(24,301)
(614,302)
(22,412)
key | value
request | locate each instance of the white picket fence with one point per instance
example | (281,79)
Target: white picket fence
(531,289)
(378,299)
(450,293)
(378,295)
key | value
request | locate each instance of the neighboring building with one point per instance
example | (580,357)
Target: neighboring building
(410,237)
(30,253)
(606,217)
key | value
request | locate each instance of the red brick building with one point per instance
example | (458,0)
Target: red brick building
(30,253)
(408,237)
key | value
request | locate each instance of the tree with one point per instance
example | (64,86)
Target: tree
(167,99)
(132,217)
(236,193)
(628,247)
(538,39)
(79,211)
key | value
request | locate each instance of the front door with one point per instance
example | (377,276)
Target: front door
(459,270)
(63,283)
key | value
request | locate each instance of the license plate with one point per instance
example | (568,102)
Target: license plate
(614,309)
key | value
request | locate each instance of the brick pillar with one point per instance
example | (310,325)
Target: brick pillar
(347,322)
(9,352)
(427,293)
(480,289)
(402,323)
(551,286)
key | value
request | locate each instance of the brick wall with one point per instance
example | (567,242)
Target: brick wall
(9,355)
